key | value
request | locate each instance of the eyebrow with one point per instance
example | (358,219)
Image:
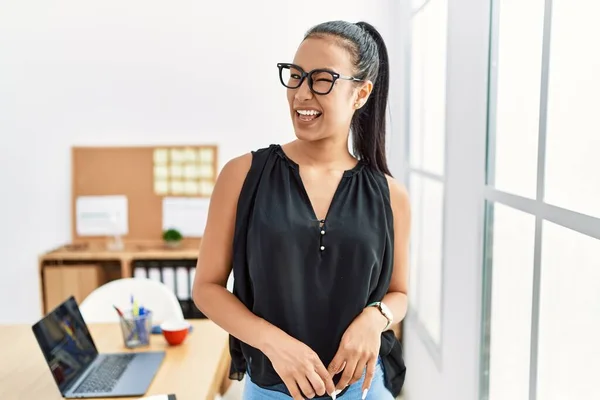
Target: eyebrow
(327,68)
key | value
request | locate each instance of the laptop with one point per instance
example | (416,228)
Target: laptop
(77,367)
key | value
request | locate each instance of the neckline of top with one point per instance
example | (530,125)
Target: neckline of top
(349,172)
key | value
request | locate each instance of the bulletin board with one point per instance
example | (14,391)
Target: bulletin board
(145,176)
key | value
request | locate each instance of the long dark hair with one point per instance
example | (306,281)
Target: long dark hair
(370,57)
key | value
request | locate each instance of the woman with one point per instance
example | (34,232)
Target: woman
(316,237)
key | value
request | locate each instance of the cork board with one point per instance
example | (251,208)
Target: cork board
(144,175)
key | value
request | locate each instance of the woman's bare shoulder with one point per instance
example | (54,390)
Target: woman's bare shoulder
(232,175)
(399,197)
(239,165)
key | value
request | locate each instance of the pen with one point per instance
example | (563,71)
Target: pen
(142,324)
(122,316)
(119,312)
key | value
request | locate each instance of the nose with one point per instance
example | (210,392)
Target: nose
(303,93)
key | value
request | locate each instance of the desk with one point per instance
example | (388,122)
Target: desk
(193,370)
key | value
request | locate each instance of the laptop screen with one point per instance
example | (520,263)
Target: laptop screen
(66,343)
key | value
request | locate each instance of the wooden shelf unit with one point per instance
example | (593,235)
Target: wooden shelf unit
(77,269)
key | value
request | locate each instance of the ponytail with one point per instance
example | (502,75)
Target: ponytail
(368,124)
(370,56)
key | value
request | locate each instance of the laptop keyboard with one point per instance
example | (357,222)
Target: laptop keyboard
(106,375)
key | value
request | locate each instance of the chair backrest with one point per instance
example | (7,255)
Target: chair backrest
(98,307)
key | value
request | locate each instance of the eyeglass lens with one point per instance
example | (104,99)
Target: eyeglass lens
(321,82)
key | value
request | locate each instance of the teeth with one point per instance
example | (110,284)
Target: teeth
(308,112)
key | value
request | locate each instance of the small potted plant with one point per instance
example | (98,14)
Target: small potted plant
(172,238)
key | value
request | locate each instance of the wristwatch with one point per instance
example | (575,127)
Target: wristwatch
(385,311)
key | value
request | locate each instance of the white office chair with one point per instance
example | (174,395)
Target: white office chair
(97,307)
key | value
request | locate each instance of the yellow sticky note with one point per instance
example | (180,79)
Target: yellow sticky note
(205,188)
(205,171)
(191,188)
(206,156)
(161,172)
(190,155)
(161,156)
(177,187)
(177,156)
(161,187)
(176,171)
(190,172)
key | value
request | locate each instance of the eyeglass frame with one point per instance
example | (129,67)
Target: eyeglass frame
(309,74)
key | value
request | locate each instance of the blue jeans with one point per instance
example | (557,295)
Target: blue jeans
(378,391)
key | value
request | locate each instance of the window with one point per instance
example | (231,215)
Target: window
(511,267)
(426,163)
(427,197)
(519,72)
(428,88)
(541,318)
(569,320)
(573,132)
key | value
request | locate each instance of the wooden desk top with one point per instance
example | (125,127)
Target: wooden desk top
(192,370)
(97,250)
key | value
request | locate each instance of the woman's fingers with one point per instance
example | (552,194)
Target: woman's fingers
(292,387)
(317,383)
(369,377)
(337,364)
(306,387)
(326,379)
(359,370)
(348,373)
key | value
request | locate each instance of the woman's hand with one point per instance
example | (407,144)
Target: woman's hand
(299,367)
(359,349)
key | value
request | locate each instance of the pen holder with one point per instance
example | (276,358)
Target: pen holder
(136,329)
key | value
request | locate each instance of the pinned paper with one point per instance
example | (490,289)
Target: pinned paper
(176,171)
(205,188)
(186,214)
(177,187)
(190,172)
(206,156)
(205,171)
(101,215)
(161,172)
(190,188)
(189,156)
(177,156)
(161,187)
(184,171)
(161,156)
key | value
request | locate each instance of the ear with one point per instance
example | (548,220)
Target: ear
(362,94)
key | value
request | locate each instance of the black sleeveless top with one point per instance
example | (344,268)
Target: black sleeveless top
(311,278)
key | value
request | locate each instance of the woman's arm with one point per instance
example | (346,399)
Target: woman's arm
(214,261)
(298,366)
(396,298)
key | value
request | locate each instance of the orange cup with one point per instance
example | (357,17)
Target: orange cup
(175,332)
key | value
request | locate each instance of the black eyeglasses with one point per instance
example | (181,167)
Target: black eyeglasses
(320,81)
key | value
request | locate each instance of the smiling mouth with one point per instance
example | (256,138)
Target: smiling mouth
(308,115)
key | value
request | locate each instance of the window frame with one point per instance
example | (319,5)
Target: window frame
(435,348)
(583,224)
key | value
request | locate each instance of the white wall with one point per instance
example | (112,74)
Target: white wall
(130,73)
